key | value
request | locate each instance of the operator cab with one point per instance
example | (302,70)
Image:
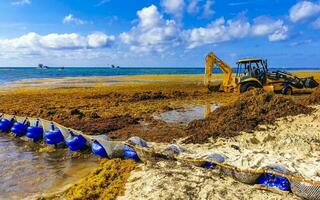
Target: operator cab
(252,68)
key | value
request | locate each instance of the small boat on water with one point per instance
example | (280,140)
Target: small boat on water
(113,66)
(41,66)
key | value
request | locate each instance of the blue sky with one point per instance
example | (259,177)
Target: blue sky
(163,33)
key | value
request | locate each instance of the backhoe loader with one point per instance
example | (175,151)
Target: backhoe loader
(253,73)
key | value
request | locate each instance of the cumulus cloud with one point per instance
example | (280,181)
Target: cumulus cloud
(303,10)
(217,31)
(174,7)
(205,6)
(279,35)
(207,9)
(275,29)
(21,2)
(35,42)
(152,33)
(71,19)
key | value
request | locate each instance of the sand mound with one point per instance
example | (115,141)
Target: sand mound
(314,97)
(251,109)
(176,181)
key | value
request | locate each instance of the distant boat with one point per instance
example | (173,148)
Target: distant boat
(61,68)
(41,66)
(113,66)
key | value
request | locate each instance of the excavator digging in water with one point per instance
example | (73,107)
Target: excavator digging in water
(253,73)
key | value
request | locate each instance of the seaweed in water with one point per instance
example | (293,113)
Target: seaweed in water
(107,182)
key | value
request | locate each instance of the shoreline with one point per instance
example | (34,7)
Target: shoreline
(127,108)
(98,81)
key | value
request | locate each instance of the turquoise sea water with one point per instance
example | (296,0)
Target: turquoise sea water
(19,73)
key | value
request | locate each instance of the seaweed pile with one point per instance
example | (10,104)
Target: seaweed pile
(99,125)
(313,98)
(106,182)
(250,110)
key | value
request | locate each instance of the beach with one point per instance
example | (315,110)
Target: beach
(158,108)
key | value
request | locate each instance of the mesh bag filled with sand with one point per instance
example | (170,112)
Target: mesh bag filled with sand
(305,190)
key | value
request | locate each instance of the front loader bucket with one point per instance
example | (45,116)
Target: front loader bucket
(309,82)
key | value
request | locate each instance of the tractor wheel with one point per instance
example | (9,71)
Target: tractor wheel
(249,86)
(287,91)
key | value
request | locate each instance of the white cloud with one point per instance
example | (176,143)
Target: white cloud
(102,2)
(207,9)
(35,42)
(153,33)
(193,7)
(316,23)
(279,35)
(21,2)
(71,19)
(202,7)
(303,10)
(216,32)
(99,40)
(149,17)
(275,29)
(174,7)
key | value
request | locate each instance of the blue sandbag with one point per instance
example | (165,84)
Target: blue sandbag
(138,141)
(274,181)
(20,129)
(5,125)
(54,136)
(214,157)
(98,149)
(77,147)
(34,132)
(54,140)
(56,133)
(76,142)
(130,153)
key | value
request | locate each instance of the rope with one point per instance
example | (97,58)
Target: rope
(234,168)
(306,189)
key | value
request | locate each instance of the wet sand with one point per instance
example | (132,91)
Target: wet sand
(126,106)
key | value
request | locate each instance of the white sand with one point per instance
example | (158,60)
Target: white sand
(294,142)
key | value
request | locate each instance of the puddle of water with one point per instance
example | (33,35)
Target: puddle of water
(186,115)
(24,172)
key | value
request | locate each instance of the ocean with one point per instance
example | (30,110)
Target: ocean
(9,74)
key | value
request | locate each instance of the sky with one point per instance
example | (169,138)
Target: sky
(162,33)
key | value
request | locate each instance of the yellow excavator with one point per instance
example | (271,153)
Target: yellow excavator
(253,73)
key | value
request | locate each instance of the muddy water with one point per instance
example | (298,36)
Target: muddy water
(24,172)
(187,114)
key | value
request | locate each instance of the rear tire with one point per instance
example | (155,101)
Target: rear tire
(249,86)
(287,91)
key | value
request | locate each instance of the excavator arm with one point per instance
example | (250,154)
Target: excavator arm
(211,61)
